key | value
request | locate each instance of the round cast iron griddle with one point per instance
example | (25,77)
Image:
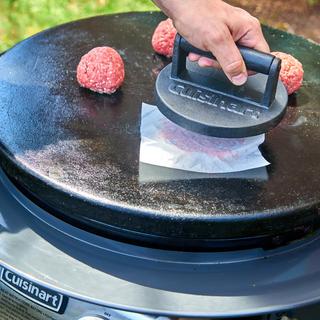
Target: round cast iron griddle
(76,153)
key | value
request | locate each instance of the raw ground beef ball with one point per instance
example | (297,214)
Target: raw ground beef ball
(291,73)
(101,70)
(163,38)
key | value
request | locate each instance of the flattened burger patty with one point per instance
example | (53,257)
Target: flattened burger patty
(291,73)
(163,38)
(101,70)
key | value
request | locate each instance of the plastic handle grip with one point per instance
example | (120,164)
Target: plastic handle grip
(255,60)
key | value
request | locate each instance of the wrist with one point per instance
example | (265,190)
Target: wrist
(173,8)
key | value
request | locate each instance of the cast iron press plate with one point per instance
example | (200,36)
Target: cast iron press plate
(77,152)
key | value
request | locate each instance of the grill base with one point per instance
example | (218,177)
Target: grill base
(240,283)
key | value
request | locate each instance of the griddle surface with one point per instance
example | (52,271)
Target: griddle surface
(77,152)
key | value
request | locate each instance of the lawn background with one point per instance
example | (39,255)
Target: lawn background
(22,18)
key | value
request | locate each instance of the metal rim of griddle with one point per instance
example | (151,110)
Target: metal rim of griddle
(38,186)
(287,277)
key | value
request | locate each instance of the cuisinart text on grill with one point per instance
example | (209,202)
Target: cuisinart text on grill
(31,290)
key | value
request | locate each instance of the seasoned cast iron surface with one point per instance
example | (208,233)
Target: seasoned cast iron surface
(78,152)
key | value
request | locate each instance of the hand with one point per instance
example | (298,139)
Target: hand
(215,26)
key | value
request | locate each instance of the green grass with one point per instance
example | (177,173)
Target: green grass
(23,18)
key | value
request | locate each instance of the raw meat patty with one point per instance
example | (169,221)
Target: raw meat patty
(163,38)
(291,73)
(101,70)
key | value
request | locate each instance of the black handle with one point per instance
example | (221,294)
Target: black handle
(255,61)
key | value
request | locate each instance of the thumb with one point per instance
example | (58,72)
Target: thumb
(228,55)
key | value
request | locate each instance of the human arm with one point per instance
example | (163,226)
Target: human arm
(215,26)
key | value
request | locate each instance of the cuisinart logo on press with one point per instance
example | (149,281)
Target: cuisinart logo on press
(212,99)
(45,297)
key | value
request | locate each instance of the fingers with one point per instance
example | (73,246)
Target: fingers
(262,44)
(221,38)
(206,62)
(193,57)
(254,37)
(203,61)
(223,47)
